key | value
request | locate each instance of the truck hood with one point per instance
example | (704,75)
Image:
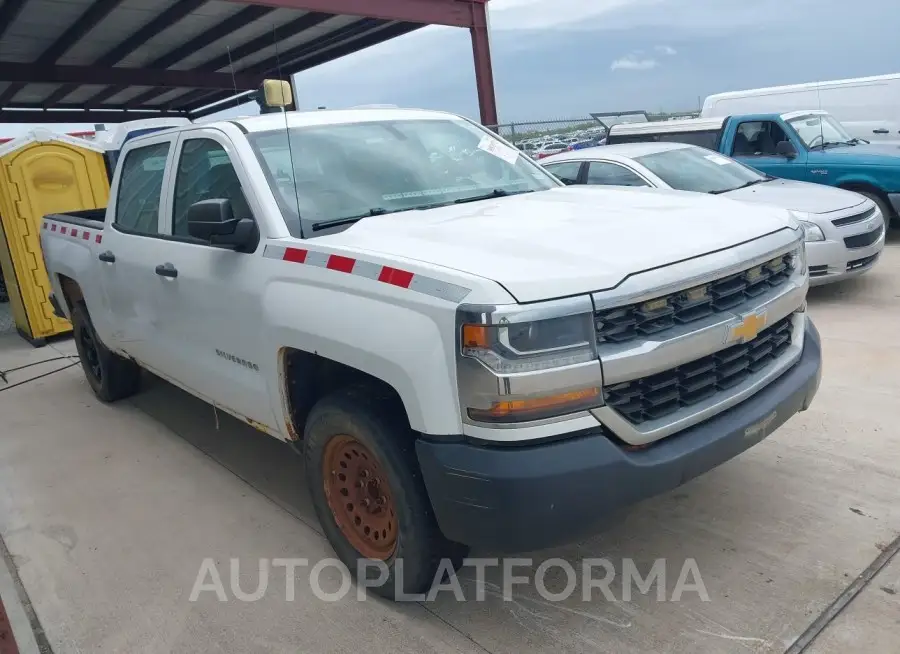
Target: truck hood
(874,154)
(798,196)
(566,241)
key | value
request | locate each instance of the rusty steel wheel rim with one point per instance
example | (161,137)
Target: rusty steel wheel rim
(359,497)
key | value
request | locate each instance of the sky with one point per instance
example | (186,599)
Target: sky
(567,58)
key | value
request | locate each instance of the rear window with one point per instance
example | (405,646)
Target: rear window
(140,188)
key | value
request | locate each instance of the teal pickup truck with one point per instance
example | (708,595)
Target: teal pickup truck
(810,146)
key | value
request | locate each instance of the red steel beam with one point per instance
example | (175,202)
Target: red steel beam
(36,74)
(85,23)
(163,21)
(455,13)
(218,31)
(484,71)
(285,31)
(82,116)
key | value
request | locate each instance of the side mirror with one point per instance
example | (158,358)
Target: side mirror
(786,149)
(214,221)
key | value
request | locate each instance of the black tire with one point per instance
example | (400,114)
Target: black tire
(887,211)
(373,419)
(110,376)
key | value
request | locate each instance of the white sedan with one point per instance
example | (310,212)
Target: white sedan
(844,230)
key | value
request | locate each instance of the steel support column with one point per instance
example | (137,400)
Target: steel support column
(484,73)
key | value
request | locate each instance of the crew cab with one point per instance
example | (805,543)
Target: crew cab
(844,230)
(809,146)
(466,351)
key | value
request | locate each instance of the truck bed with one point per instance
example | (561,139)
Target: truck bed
(92,218)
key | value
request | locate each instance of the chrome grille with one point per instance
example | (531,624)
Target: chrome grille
(658,395)
(863,240)
(621,324)
(850,220)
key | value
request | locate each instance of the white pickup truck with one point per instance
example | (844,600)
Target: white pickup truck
(467,352)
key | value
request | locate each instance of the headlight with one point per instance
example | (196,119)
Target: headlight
(520,364)
(811,232)
(510,347)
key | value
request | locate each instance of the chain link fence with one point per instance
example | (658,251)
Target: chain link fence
(540,138)
(550,136)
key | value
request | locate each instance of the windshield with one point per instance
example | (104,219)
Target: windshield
(700,170)
(340,172)
(820,130)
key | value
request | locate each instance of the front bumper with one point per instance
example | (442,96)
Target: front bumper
(517,499)
(832,261)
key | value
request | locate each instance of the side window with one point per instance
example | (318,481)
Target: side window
(205,173)
(757,138)
(140,188)
(706,139)
(567,171)
(609,174)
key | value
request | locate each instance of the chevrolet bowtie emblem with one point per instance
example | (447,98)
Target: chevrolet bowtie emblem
(747,329)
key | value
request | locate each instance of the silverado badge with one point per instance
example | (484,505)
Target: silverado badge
(746,329)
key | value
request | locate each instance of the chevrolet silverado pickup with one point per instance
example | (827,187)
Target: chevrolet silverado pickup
(466,351)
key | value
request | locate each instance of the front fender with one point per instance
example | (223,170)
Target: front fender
(399,340)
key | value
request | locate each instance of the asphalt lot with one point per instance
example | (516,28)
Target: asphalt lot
(108,512)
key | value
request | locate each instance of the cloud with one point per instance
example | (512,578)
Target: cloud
(666,50)
(633,61)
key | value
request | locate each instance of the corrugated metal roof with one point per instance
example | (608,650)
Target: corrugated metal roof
(61,54)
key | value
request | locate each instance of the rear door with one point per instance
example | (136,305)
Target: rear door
(211,337)
(130,248)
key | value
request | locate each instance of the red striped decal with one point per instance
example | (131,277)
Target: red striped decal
(74,233)
(294,254)
(99,238)
(396,277)
(341,264)
(53,227)
(62,230)
(86,236)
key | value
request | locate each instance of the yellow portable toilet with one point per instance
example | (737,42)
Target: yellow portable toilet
(42,173)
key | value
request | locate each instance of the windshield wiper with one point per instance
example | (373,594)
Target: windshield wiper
(496,193)
(752,182)
(377,211)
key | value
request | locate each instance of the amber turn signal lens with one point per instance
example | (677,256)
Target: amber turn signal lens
(475,336)
(536,408)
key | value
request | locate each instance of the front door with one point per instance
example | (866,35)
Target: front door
(212,300)
(755,143)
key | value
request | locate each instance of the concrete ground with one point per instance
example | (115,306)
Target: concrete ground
(108,512)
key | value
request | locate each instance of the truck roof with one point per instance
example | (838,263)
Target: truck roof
(268,122)
(768,90)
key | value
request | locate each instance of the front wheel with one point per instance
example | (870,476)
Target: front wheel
(368,492)
(110,376)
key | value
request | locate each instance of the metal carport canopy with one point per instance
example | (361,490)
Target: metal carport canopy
(97,61)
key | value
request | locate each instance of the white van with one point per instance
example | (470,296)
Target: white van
(869,107)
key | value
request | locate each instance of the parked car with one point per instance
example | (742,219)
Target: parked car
(844,230)
(467,353)
(807,146)
(868,107)
(550,148)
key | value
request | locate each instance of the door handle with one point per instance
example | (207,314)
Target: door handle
(167,270)
(881,130)
(107,257)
